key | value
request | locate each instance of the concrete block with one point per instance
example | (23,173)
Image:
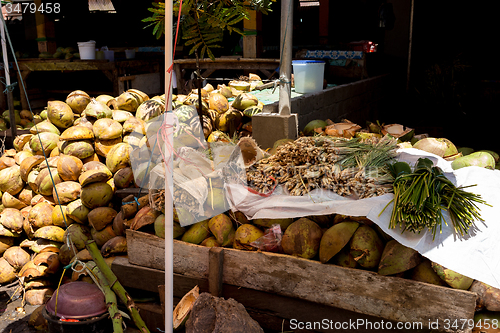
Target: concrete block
(267,128)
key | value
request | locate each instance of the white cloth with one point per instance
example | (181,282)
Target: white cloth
(476,256)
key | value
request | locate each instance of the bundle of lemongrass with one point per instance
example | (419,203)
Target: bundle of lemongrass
(421,196)
(350,168)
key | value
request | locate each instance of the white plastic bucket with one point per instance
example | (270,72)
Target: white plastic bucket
(87,50)
(308,75)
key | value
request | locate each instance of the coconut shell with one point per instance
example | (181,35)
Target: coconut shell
(59,216)
(50,162)
(7,272)
(114,246)
(44,126)
(5,243)
(119,157)
(69,167)
(452,278)
(25,196)
(75,133)
(102,236)
(28,164)
(6,232)
(128,101)
(10,180)
(97,110)
(12,219)
(133,139)
(79,234)
(51,232)
(66,253)
(38,296)
(218,102)
(149,110)
(96,195)
(45,181)
(101,217)
(22,155)
(77,211)
(21,140)
(66,192)
(124,178)
(121,116)
(84,122)
(6,162)
(45,245)
(16,257)
(41,215)
(107,129)
(102,147)
(44,143)
(9,201)
(78,101)
(60,114)
(80,149)
(42,198)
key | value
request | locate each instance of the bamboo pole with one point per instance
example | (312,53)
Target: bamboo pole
(115,285)
(169,206)
(109,296)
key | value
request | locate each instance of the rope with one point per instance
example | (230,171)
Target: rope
(8,87)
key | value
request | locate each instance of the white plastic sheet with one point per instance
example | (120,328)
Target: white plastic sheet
(476,256)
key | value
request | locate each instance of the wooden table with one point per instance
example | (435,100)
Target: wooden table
(208,67)
(113,70)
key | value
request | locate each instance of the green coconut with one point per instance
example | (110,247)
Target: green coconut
(96,195)
(222,228)
(494,154)
(480,159)
(465,150)
(335,239)
(196,233)
(452,278)
(245,235)
(366,247)
(44,126)
(397,258)
(302,238)
(244,100)
(318,123)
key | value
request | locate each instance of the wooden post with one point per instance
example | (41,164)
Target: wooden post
(250,38)
(215,268)
(285,93)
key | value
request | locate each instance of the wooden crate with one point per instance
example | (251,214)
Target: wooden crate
(343,292)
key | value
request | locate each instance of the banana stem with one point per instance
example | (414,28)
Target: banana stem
(110,297)
(115,285)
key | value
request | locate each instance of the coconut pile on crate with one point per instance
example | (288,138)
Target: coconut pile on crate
(223,118)
(87,144)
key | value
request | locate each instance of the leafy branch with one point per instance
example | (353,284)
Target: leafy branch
(203,22)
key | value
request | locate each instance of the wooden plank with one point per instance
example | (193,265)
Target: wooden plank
(355,290)
(149,251)
(215,270)
(270,310)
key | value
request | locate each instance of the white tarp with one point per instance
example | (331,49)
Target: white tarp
(476,256)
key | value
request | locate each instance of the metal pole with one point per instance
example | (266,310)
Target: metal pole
(169,212)
(10,97)
(286,57)
(412,4)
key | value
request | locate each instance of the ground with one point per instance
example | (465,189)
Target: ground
(14,319)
